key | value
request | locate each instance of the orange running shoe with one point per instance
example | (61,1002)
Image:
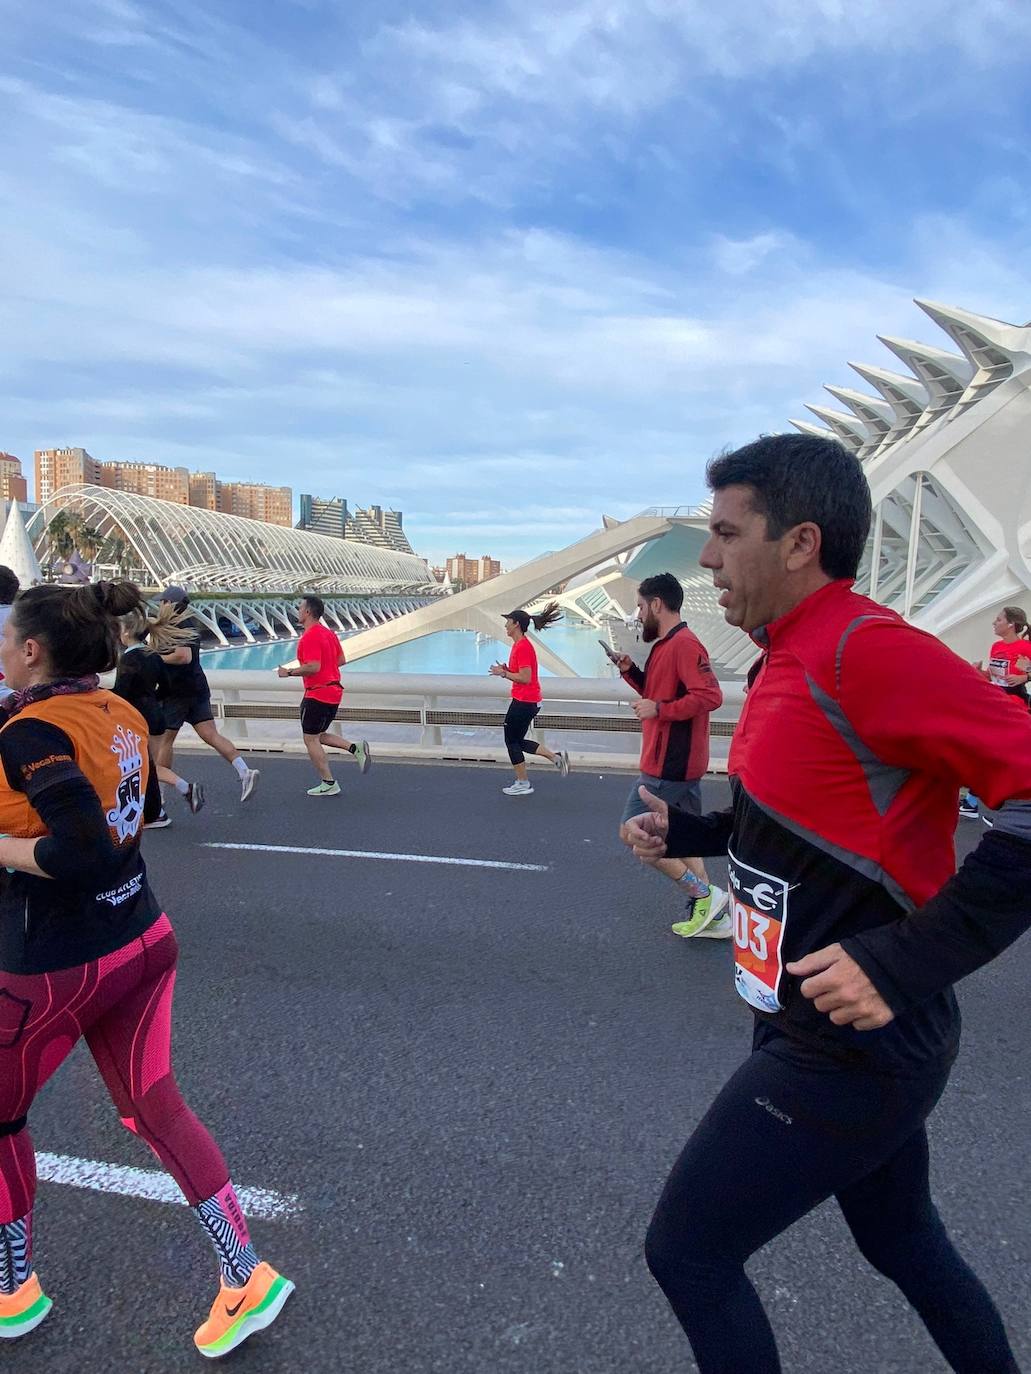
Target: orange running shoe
(20,1312)
(239,1312)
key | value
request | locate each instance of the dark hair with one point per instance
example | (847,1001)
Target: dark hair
(315,604)
(801,477)
(666,587)
(1018,619)
(542,621)
(9,585)
(77,626)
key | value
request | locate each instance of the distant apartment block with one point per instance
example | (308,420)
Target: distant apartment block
(321,515)
(469,572)
(381,527)
(256,501)
(62,467)
(373,525)
(12,483)
(148,479)
(204,490)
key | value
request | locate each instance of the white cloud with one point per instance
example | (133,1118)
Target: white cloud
(345,267)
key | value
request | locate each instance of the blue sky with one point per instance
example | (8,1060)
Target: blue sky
(506,266)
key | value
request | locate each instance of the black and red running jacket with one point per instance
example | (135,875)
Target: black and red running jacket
(856,736)
(679,678)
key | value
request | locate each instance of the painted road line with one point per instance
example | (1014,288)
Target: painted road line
(373,854)
(153,1185)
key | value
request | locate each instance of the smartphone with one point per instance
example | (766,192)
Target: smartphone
(613,656)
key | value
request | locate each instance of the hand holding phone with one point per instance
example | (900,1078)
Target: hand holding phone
(622,661)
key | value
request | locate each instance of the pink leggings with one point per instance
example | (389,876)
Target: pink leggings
(122,1004)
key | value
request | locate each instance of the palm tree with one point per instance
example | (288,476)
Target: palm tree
(61,532)
(90,541)
(115,554)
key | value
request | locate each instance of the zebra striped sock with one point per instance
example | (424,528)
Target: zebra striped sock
(15,1253)
(222,1218)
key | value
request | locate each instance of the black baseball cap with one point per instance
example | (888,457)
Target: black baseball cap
(521,618)
(177,595)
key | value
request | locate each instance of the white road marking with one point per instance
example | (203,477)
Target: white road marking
(153,1184)
(373,854)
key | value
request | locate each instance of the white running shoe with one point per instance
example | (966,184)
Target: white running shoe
(562,763)
(249,782)
(720,929)
(518,789)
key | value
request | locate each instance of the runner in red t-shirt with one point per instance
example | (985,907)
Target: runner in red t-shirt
(521,671)
(1004,668)
(320,656)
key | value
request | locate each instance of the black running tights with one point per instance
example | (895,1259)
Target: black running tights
(789,1130)
(518,720)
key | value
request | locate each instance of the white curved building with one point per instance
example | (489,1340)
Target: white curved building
(207,551)
(946,447)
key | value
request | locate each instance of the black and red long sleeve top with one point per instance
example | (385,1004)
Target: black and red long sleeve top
(679,678)
(846,774)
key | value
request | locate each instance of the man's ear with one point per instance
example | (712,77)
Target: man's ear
(803,546)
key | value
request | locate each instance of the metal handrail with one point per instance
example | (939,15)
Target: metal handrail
(434,701)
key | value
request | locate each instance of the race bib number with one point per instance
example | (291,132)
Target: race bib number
(759,905)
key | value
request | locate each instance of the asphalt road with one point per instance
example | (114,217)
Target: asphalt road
(475,1080)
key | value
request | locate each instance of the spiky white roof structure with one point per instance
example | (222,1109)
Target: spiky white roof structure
(16,551)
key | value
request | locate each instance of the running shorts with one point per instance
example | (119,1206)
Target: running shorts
(685,795)
(317,716)
(180,711)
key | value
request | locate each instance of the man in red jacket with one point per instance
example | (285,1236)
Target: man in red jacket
(678,691)
(851,923)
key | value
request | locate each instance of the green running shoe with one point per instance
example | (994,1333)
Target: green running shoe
(23,1310)
(325,789)
(705,911)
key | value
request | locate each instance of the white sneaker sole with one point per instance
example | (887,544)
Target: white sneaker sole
(725,932)
(251,1325)
(250,783)
(12,1333)
(523,792)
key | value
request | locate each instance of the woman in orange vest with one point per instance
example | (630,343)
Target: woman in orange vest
(85,949)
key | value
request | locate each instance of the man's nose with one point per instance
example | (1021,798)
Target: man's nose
(708,557)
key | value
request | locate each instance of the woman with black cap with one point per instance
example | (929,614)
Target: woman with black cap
(521,671)
(188,702)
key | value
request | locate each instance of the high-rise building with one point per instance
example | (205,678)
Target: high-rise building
(12,483)
(327,516)
(256,501)
(64,467)
(374,525)
(204,490)
(148,479)
(471,571)
(371,525)
(462,570)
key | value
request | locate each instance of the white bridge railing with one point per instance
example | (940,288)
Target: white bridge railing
(432,704)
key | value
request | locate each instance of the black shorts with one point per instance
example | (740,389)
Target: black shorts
(155,718)
(180,711)
(317,716)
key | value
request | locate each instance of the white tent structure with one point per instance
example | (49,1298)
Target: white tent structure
(16,551)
